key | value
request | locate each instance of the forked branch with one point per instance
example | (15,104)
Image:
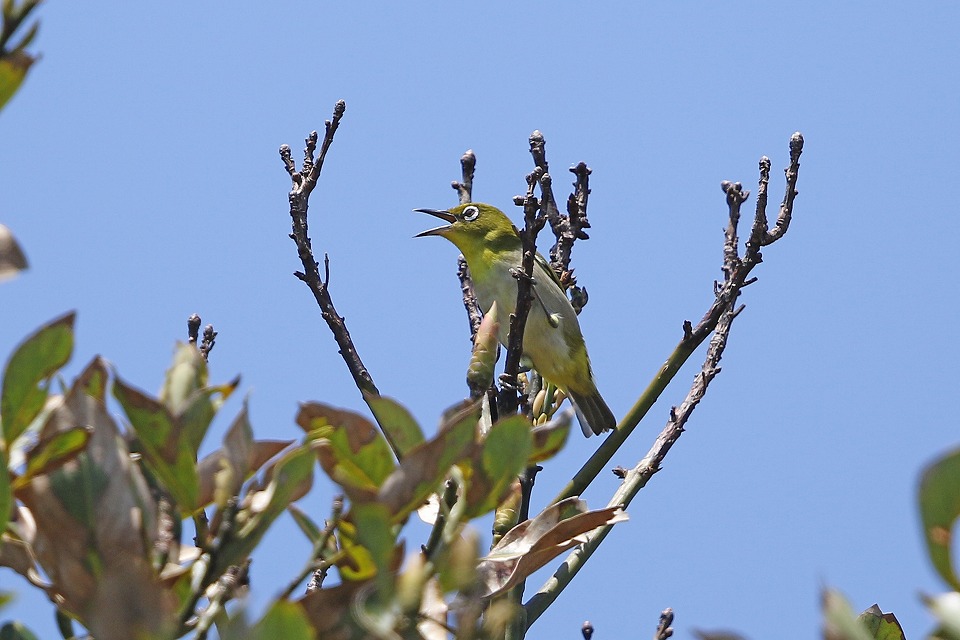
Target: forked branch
(718,321)
(304,182)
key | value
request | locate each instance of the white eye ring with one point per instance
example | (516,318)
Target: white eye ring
(470,213)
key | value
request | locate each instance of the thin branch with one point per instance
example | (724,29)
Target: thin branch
(637,478)
(786,206)
(548,204)
(227,585)
(664,630)
(193,329)
(724,306)
(318,564)
(464,189)
(209,340)
(447,500)
(304,182)
(470,304)
(587,630)
(468,166)
(533,223)
(193,334)
(570,227)
(693,337)
(535,215)
(571,230)
(208,562)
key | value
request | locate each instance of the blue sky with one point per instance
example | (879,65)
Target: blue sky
(140,172)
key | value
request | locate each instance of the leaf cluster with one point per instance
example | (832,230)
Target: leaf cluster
(98,509)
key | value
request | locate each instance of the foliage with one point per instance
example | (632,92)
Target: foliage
(96,507)
(14,64)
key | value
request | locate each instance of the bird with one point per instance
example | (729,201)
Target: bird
(552,341)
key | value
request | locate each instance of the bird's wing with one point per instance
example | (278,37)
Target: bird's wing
(549,293)
(540,260)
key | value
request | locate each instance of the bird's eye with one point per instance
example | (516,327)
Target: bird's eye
(470,213)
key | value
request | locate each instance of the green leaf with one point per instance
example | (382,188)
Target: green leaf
(13,70)
(839,620)
(422,470)
(549,438)
(457,562)
(15,631)
(497,463)
(93,379)
(188,398)
(377,536)
(186,375)
(200,410)
(351,449)
(882,626)
(53,451)
(358,564)
(399,427)
(213,467)
(939,499)
(287,480)
(285,620)
(34,361)
(306,524)
(166,450)
(6,491)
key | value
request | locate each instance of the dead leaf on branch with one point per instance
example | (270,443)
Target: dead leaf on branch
(533,543)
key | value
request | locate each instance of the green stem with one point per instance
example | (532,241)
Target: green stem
(638,477)
(602,456)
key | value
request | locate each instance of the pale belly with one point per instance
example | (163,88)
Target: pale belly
(544,345)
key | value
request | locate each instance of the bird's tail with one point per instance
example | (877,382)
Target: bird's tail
(594,414)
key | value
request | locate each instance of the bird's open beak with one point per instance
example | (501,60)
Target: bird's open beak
(443,215)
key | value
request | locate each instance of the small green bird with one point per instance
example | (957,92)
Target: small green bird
(552,340)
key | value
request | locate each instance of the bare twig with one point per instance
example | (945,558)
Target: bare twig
(534,218)
(208,563)
(448,499)
(318,564)
(717,320)
(468,166)
(586,630)
(570,227)
(233,578)
(533,223)
(464,189)
(193,333)
(664,630)
(693,337)
(786,206)
(470,304)
(548,204)
(209,340)
(527,479)
(304,182)
(193,329)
